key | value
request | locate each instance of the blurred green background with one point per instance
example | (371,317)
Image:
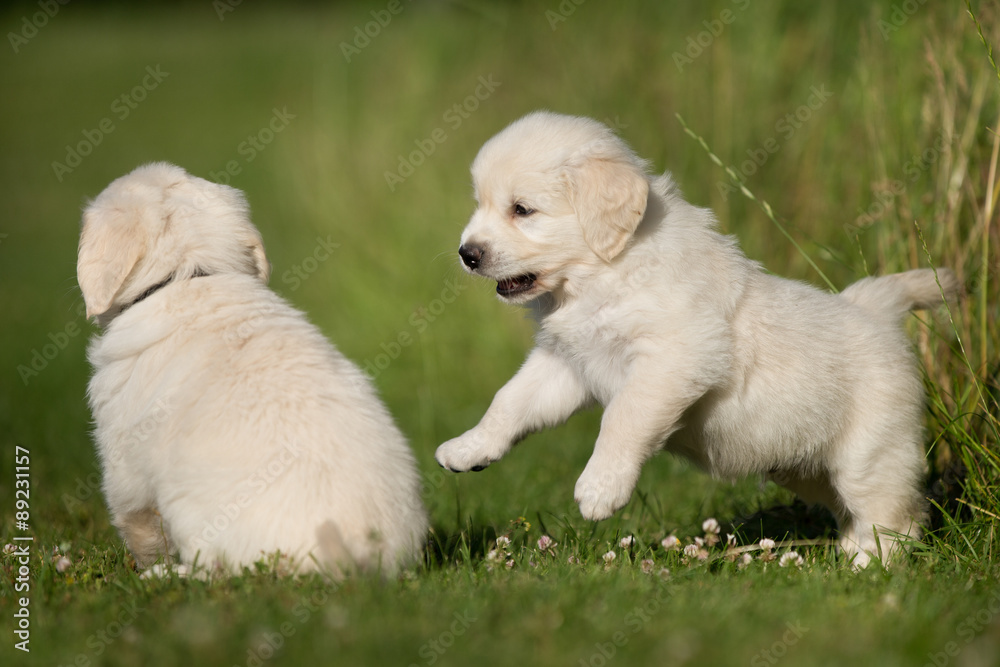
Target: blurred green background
(320,112)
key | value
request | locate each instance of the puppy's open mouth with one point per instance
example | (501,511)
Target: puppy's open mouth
(514,286)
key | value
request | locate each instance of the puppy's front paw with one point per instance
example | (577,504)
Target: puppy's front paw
(469,451)
(602,490)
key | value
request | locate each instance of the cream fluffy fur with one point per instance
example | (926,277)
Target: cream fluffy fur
(643,307)
(228,427)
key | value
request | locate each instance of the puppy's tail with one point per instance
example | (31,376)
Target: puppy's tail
(899,293)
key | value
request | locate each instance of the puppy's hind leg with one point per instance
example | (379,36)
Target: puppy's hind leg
(881,506)
(145,535)
(334,558)
(864,537)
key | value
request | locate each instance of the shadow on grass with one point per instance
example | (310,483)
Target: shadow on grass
(470,544)
(784,522)
(801,521)
(465,546)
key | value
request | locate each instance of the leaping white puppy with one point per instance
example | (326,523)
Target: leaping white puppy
(645,308)
(227,426)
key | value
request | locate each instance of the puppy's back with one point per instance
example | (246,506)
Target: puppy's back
(275,441)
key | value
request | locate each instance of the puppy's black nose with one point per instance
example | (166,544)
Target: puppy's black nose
(471,255)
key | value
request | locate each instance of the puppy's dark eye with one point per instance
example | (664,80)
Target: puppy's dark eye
(522,211)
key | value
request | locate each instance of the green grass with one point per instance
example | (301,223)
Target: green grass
(896,169)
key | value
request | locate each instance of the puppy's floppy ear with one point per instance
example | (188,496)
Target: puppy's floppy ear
(260,259)
(110,246)
(229,202)
(608,189)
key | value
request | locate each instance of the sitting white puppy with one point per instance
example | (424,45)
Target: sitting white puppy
(227,426)
(645,308)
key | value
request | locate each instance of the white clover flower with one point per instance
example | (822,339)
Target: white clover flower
(493,556)
(700,542)
(610,556)
(767,544)
(791,558)
(646,565)
(664,573)
(627,542)
(730,541)
(503,541)
(63,564)
(545,543)
(691,550)
(670,542)
(745,560)
(710,526)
